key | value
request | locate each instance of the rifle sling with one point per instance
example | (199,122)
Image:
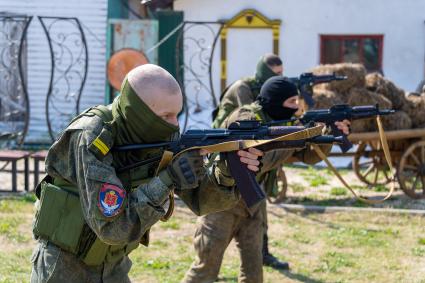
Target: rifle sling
(167,156)
(387,155)
(245,144)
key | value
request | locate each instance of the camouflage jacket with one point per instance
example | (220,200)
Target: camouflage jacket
(71,159)
(240,93)
(271,159)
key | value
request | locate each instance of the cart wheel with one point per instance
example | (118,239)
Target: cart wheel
(373,170)
(282,187)
(411,171)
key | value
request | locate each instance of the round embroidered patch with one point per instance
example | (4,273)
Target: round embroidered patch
(111,198)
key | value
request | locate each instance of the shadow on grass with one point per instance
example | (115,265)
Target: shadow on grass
(328,224)
(346,201)
(299,277)
(226,279)
(287,273)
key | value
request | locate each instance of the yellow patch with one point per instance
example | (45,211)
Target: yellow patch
(101,146)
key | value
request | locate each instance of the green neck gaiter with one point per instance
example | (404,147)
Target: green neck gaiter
(135,122)
(263,72)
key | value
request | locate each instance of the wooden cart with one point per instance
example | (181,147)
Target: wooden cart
(408,156)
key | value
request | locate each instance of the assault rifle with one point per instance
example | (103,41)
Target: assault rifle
(336,113)
(306,81)
(239,135)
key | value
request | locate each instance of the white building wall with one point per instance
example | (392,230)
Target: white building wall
(401,23)
(93,16)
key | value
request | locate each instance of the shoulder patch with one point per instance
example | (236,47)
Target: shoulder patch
(104,149)
(102,144)
(111,199)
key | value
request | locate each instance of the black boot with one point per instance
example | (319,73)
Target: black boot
(271,260)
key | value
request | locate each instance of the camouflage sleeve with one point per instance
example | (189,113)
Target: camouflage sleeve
(240,114)
(244,94)
(274,158)
(138,210)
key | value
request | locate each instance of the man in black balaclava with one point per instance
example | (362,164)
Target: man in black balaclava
(278,99)
(245,91)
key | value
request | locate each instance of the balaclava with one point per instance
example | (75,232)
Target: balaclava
(134,122)
(272,95)
(263,72)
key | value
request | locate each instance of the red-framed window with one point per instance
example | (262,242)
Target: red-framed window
(365,49)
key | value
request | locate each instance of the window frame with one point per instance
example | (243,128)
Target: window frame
(360,37)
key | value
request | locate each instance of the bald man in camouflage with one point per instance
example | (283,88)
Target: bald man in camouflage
(244,92)
(92,211)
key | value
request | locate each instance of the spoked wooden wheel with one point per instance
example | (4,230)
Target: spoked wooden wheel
(282,187)
(370,166)
(411,171)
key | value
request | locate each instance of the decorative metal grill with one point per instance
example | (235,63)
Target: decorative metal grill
(195,72)
(69,63)
(14,102)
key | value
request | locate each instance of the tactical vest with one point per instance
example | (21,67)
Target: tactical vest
(224,112)
(59,216)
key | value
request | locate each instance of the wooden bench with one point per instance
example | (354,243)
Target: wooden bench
(14,156)
(38,156)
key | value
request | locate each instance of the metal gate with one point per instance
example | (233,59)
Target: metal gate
(14,102)
(195,71)
(68,73)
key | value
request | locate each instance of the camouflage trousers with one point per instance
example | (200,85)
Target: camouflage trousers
(52,264)
(214,233)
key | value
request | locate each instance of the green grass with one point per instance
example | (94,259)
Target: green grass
(301,238)
(14,204)
(359,187)
(170,224)
(335,262)
(381,188)
(315,177)
(15,266)
(338,191)
(418,251)
(9,228)
(318,181)
(297,188)
(321,247)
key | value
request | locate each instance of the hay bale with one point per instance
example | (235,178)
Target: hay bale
(355,76)
(415,107)
(360,126)
(400,120)
(361,96)
(377,83)
(326,99)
